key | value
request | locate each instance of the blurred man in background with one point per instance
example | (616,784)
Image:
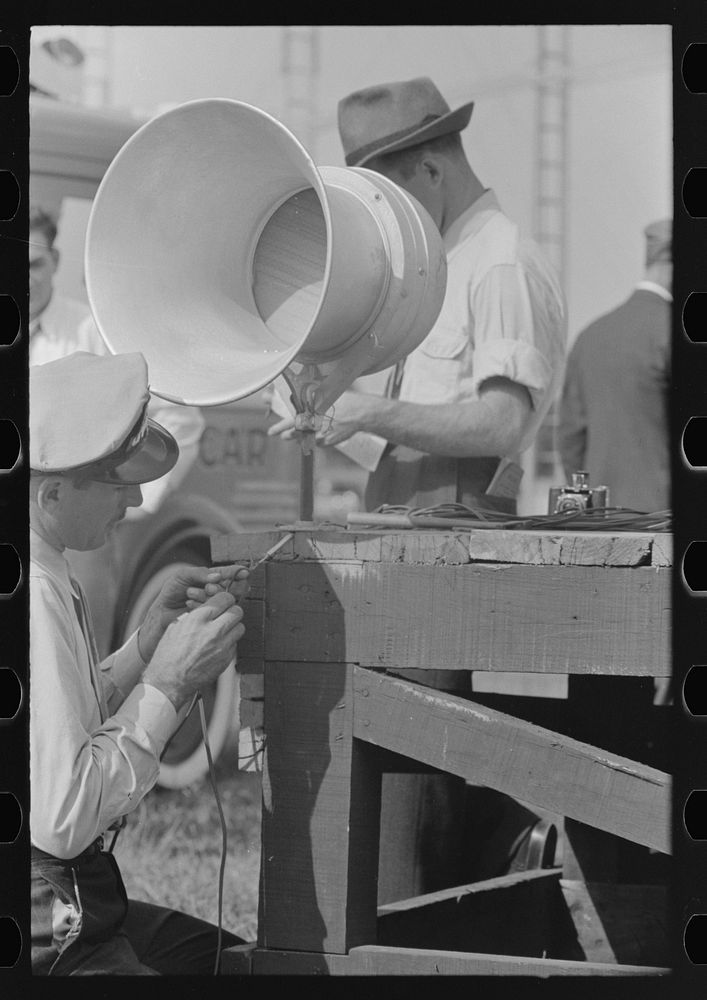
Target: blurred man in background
(59,326)
(613,419)
(54,319)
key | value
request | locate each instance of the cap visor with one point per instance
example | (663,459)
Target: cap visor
(157,455)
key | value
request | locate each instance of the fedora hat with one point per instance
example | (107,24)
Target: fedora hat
(392,116)
(88,415)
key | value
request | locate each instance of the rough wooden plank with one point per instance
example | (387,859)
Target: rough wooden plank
(520,914)
(376,960)
(246,546)
(591,548)
(321,803)
(458,893)
(237,960)
(455,546)
(549,619)
(526,761)
(619,923)
(662,553)
(528,685)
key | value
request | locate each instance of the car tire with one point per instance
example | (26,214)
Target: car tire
(185,760)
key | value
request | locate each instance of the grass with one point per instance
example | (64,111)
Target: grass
(170,850)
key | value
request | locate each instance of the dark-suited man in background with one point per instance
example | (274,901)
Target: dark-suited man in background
(613,419)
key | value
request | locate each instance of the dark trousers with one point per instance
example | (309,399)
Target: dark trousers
(84,924)
(437,830)
(414,479)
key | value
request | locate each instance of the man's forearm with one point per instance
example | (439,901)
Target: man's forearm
(491,425)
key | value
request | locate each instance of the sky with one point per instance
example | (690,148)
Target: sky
(618,124)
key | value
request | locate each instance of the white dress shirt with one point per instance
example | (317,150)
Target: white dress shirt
(96,731)
(503,314)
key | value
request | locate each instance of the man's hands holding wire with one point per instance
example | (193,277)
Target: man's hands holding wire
(188,589)
(196,647)
(344,418)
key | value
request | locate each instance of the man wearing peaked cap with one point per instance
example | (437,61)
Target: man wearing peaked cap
(458,411)
(59,325)
(98,729)
(107,398)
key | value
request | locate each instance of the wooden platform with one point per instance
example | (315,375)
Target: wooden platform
(329,622)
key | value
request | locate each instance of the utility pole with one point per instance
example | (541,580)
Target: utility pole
(550,202)
(300,72)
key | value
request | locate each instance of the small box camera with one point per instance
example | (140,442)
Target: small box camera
(579,496)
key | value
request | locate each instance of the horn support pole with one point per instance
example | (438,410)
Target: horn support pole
(303,385)
(306,484)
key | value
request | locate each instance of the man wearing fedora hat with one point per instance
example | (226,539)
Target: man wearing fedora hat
(97,729)
(461,407)
(457,413)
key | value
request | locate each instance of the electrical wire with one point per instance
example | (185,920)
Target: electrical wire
(193,702)
(589,519)
(196,698)
(224,831)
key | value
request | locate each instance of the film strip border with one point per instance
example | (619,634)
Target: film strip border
(689,417)
(14,547)
(689,413)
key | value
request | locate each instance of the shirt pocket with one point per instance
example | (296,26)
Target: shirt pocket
(433,373)
(445,343)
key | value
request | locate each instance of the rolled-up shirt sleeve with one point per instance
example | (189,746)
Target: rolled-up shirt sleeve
(85,772)
(508,338)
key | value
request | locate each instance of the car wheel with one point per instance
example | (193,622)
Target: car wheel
(185,760)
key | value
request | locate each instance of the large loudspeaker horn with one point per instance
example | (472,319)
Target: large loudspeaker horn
(217,249)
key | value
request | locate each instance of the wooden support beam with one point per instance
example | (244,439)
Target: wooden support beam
(589,854)
(525,761)
(619,923)
(455,546)
(238,960)
(556,619)
(519,914)
(321,803)
(377,960)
